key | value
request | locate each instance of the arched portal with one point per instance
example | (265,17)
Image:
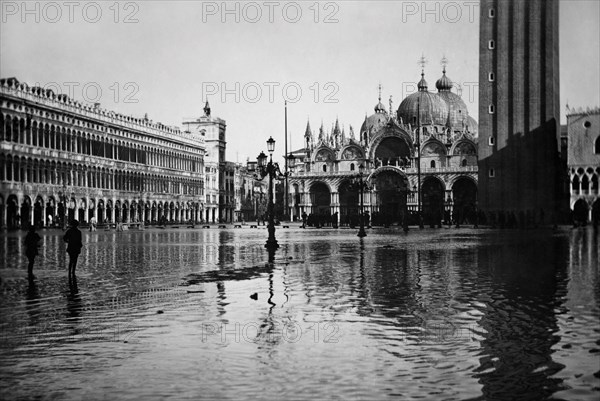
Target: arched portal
(464,193)
(432,192)
(51,211)
(109,211)
(101,215)
(38,212)
(25,212)
(391,191)
(349,203)
(12,212)
(392,151)
(320,197)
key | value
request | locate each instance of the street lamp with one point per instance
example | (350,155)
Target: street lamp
(361,185)
(272,170)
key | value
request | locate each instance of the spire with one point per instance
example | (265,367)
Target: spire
(308,132)
(351,133)
(380,108)
(336,130)
(422,85)
(207,109)
(444,83)
(391,107)
(321,132)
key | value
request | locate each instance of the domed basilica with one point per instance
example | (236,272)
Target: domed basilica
(427,149)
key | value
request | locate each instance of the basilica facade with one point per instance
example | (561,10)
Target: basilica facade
(418,163)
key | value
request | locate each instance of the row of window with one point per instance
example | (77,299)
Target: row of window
(45,172)
(53,137)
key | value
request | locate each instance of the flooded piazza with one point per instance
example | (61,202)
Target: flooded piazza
(445,314)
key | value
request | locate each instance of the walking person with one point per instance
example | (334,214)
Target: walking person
(31,249)
(74,244)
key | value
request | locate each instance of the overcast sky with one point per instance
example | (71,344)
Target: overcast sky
(328,58)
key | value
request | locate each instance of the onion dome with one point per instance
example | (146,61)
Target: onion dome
(444,83)
(457,109)
(423,107)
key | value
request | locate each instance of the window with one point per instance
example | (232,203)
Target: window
(491,109)
(491,141)
(492,173)
(351,166)
(597,146)
(587,124)
(491,45)
(325,168)
(491,13)
(464,163)
(433,164)
(491,77)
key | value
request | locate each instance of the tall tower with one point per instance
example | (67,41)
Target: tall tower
(519,107)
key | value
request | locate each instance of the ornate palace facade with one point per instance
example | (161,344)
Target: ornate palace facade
(427,148)
(61,159)
(583,160)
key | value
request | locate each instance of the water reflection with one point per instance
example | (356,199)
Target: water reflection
(465,314)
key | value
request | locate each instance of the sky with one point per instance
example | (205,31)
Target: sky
(326,58)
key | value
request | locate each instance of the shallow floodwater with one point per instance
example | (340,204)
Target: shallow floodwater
(444,314)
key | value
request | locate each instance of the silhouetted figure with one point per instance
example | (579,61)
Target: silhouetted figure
(31,249)
(304,217)
(74,244)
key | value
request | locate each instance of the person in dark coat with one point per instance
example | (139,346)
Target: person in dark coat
(31,249)
(74,244)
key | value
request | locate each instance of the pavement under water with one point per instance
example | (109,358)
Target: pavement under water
(204,314)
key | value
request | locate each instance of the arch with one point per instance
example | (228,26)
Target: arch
(349,203)
(391,190)
(464,194)
(12,212)
(324,155)
(392,151)
(432,193)
(320,196)
(351,152)
(580,212)
(25,219)
(38,212)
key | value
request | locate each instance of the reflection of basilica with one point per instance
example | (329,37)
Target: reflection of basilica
(431,140)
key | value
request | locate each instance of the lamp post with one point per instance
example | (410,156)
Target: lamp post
(272,170)
(361,231)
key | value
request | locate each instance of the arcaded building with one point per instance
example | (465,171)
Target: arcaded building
(583,161)
(61,159)
(519,171)
(425,149)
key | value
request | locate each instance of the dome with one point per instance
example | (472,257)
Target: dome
(374,122)
(431,107)
(444,83)
(457,109)
(377,120)
(472,125)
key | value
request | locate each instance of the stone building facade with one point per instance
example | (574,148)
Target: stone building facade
(583,162)
(426,149)
(61,159)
